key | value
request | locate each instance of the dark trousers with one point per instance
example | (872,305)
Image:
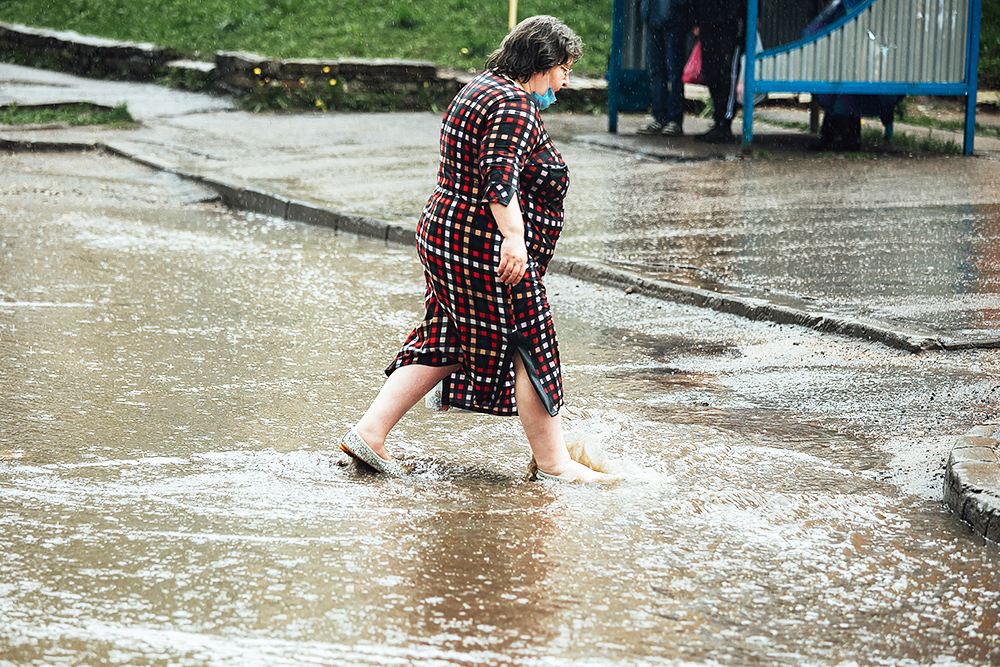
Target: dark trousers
(665,52)
(721,46)
(840,133)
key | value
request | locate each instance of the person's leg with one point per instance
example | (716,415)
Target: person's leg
(720,59)
(545,431)
(674,43)
(401,391)
(731,46)
(656,59)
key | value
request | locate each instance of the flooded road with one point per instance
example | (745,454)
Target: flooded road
(174,377)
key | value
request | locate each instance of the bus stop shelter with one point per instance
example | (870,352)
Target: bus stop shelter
(879,47)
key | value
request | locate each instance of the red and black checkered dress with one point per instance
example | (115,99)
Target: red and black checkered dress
(493,145)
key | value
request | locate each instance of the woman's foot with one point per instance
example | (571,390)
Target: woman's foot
(377,445)
(568,472)
(355,446)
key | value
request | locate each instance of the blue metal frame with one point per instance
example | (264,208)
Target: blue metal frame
(972,74)
(615,63)
(824,31)
(752,86)
(628,89)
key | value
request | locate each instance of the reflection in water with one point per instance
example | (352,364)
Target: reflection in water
(171,380)
(463,588)
(985,266)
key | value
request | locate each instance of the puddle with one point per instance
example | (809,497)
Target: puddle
(171,492)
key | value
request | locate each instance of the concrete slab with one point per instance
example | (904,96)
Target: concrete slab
(26,85)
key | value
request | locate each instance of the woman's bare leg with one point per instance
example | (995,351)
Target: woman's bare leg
(545,431)
(401,391)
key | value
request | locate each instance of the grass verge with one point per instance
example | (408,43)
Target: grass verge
(926,144)
(451,33)
(991,131)
(73,114)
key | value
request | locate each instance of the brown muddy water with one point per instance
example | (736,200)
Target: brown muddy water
(173,378)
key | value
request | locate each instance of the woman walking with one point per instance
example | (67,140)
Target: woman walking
(485,238)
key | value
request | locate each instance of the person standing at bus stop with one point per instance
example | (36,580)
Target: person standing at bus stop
(721,27)
(666,38)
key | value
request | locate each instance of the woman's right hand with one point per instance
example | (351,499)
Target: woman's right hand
(513,260)
(513,251)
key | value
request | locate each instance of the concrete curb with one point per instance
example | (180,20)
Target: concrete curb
(258,201)
(266,203)
(85,54)
(744,306)
(970,480)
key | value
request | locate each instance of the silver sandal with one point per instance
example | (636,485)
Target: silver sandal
(546,477)
(354,445)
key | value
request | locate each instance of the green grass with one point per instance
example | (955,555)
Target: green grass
(926,144)
(989,46)
(74,114)
(790,124)
(451,33)
(992,131)
(873,137)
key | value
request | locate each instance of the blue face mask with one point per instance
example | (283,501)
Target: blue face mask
(544,101)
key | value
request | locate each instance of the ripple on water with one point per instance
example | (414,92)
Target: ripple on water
(172,493)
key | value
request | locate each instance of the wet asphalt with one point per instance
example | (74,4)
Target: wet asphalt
(893,245)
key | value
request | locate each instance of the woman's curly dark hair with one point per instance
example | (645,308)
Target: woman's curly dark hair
(535,45)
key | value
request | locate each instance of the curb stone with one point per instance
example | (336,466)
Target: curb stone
(744,306)
(970,480)
(86,54)
(257,201)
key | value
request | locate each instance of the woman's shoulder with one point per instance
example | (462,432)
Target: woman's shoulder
(497,88)
(491,99)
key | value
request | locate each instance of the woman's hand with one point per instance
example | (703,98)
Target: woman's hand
(513,260)
(513,251)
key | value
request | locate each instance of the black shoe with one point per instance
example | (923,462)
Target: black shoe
(671,129)
(656,127)
(717,135)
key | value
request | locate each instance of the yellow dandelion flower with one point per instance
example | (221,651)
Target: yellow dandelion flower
(319,103)
(256,70)
(267,79)
(326,70)
(302,81)
(464,51)
(427,84)
(333,82)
